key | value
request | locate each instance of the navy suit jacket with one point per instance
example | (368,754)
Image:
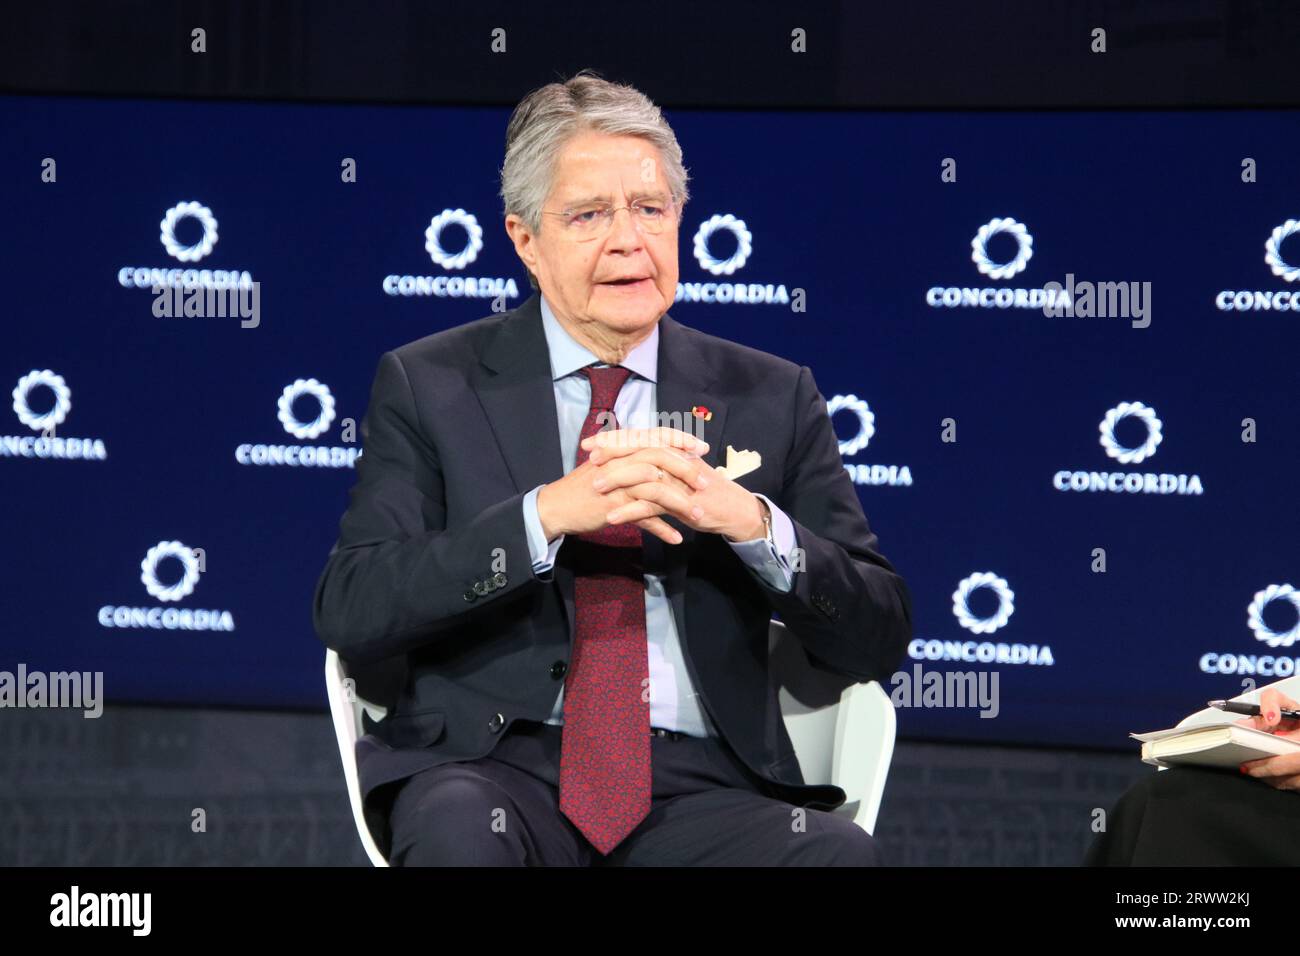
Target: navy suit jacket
(431,580)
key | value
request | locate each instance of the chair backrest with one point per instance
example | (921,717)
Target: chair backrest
(843,732)
(346,705)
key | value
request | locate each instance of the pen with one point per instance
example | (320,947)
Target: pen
(1250,710)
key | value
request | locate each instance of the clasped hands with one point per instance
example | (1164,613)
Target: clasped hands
(638,474)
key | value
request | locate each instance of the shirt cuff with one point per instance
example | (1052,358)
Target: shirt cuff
(771,564)
(542,553)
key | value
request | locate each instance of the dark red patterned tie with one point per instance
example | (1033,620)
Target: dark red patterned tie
(605,743)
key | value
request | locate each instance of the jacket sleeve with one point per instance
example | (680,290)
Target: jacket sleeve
(849,608)
(397,577)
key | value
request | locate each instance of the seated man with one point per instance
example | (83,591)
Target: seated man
(580,592)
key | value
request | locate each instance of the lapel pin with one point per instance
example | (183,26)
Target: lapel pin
(701,411)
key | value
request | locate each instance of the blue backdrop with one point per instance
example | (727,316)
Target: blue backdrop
(846,214)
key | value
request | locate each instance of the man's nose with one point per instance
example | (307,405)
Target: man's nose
(623,233)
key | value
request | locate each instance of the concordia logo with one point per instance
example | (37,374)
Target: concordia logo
(200,226)
(1278,300)
(1129,482)
(155,572)
(982,652)
(1255,615)
(47,444)
(304,456)
(740,293)
(454,287)
(866,420)
(1275,635)
(998,297)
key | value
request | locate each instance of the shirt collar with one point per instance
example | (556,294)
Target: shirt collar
(568,355)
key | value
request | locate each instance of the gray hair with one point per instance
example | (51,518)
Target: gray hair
(548,117)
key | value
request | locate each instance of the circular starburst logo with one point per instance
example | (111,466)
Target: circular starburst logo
(62,399)
(296,426)
(1138,453)
(1002,270)
(961,602)
(188,210)
(189,572)
(1255,615)
(866,421)
(744,244)
(433,238)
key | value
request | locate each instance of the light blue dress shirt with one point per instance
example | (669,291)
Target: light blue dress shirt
(674,703)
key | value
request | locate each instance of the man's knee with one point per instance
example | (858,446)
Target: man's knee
(449,816)
(833,840)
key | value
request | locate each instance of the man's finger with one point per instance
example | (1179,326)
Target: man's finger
(660,529)
(650,465)
(689,468)
(650,498)
(624,441)
(652,495)
(660,437)
(632,513)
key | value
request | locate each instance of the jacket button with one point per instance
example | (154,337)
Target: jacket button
(470,595)
(496,723)
(499,579)
(480,588)
(558,669)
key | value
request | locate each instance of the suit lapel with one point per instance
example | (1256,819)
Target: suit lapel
(515,389)
(685,380)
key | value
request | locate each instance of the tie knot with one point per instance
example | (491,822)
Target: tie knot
(605,385)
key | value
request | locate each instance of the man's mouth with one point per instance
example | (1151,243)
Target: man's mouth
(626,282)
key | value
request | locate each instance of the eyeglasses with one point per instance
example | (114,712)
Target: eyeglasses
(592,220)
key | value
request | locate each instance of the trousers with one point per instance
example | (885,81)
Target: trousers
(1197,816)
(707,809)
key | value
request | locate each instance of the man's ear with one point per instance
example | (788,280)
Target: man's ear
(523,240)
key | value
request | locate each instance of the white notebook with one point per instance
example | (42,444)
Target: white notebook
(1223,745)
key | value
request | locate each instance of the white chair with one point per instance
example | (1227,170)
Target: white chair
(346,704)
(842,732)
(1210,716)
